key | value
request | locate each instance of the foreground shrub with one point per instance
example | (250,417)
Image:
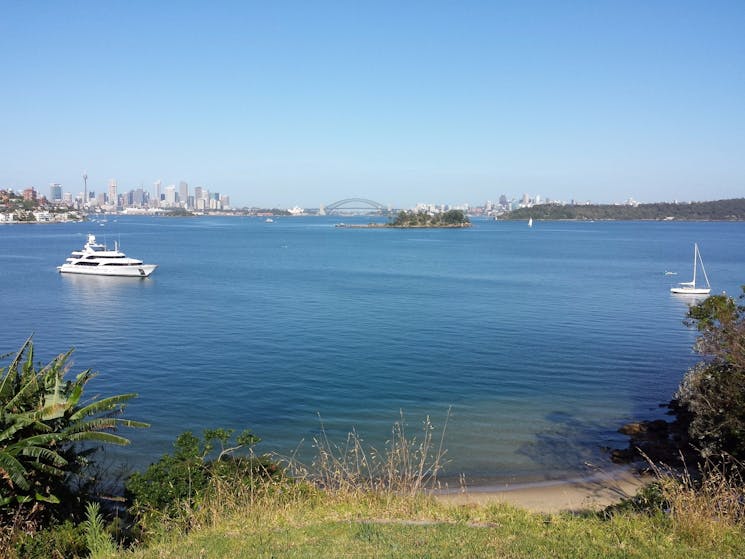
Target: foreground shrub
(174,486)
(61,541)
(713,392)
(46,432)
(651,499)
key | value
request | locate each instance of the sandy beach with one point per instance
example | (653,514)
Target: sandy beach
(590,493)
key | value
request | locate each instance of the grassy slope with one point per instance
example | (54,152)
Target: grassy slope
(368,526)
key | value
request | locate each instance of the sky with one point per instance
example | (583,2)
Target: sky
(284,103)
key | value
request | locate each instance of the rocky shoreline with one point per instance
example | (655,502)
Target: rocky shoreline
(657,441)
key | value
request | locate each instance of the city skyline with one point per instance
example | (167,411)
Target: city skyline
(297,104)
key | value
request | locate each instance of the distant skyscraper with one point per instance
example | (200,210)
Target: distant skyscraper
(183,193)
(112,192)
(55,192)
(138,197)
(157,192)
(170,196)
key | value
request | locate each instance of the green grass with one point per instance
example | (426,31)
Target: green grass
(329,525)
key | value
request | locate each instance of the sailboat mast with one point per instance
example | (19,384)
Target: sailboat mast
(701,260)
(695,258)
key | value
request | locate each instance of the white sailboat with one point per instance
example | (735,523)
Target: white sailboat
(689,287)
(530,222)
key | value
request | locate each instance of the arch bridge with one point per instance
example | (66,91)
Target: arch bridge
(357,204)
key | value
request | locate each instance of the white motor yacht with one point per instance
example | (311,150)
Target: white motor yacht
(96,259)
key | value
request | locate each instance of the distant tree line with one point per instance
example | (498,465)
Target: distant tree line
(718,210)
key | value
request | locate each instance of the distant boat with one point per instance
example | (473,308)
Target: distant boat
(530,222)
(269,220)
(671,273)
(689,287)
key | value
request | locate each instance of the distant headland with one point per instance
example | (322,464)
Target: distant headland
(718,210)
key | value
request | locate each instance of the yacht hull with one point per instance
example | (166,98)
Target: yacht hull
(141,271)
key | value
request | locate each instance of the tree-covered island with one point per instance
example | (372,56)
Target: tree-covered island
(451,219)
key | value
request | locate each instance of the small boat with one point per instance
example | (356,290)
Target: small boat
(689,287)
(269,220)
(96,259)
(530,222)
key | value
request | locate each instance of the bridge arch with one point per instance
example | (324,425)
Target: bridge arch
(356,204)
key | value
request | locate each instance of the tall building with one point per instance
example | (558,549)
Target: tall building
(170,196)
(215,201)
(157,192)
(112,192)
(183,193)
(138,198)
(55,192)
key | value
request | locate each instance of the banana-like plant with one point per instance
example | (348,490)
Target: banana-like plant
(44,420)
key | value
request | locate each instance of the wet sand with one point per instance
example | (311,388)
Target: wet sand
(591,493)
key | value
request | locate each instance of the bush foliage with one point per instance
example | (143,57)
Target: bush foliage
(713,392)
(181,479)
(719,210)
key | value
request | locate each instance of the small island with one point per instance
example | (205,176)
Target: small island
(451,219)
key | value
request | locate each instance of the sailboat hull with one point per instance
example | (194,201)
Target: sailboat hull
(690,290)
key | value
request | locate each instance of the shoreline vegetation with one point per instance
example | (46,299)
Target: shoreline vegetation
(717,210)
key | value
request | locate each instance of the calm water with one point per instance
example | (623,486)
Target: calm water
(543,341)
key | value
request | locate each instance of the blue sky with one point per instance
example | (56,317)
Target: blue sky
(285,103)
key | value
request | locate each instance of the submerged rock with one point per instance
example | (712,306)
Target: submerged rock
(656,441)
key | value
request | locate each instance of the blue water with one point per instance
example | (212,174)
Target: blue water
(541,341)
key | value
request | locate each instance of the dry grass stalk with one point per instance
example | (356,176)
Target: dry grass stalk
(406,466)
(700,500)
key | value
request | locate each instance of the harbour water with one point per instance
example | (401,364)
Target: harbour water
(541,341)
